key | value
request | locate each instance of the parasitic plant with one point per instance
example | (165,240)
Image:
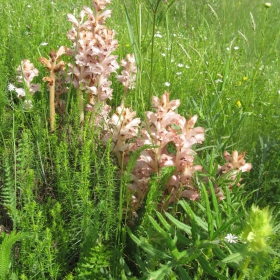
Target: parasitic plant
(26,73)
(93,44)
(128,74)
(54,67)
(171,138)
(161,129)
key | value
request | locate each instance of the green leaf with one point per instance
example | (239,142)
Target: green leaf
(162,272)
(235,257)
(5,251)
(223,228)
(165,235)
(209,269)
(183,273)
(187,229)
(182,239)
(187,255)
(134,45)
(189,211)
(148,248)
(209,216)
(217,212)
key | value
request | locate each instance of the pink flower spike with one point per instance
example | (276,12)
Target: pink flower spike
(72,19)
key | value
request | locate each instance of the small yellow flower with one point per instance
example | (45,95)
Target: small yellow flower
(239,83)
(238,103)
(127,45)
(245,78)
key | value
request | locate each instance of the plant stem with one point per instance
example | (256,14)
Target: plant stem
(244,267)
(52,93)
(81,106)
(153,40)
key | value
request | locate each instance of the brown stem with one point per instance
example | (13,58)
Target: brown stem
(52,94)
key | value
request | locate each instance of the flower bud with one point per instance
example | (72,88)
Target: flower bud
(258,228)
(267,4)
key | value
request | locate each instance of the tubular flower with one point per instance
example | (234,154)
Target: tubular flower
(128,75)
(26,73)
(121,128)
(234,164)
(163,128)
(94,63)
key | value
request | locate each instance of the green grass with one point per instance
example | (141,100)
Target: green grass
(64,189)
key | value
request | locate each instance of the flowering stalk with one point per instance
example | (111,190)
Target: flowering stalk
(26,73)
(53,67)
(128,74)
(235,164)
(161,128)
(93,45)
(256,234)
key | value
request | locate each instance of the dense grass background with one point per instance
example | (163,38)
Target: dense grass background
(195,36)
(220,58)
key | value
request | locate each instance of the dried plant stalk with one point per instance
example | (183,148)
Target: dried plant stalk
(53,67)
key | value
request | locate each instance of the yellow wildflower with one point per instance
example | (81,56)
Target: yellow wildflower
(239,83)
(245,78)
(238,103)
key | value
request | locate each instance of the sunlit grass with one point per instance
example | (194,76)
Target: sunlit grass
(221,59)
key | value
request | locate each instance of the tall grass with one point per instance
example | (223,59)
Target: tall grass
(62,193)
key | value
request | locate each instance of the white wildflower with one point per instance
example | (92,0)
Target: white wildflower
(180,65)
(167,84)
(230,238)
(11,87)
(236,48)
(179,73)
(43,44)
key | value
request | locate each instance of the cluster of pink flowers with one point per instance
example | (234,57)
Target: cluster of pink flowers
(93,44)
(26,73)
(160,128)
(163,128)
(169,136)
(122,127)
(234,164)
(128,76)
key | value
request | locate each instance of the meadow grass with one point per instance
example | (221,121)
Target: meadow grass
(64,189)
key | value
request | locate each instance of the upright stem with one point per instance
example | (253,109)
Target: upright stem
(52,93)
(81,106)
(243,268)
(152,50)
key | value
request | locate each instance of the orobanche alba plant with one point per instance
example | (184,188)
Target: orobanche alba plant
(156,155)
(170,135)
